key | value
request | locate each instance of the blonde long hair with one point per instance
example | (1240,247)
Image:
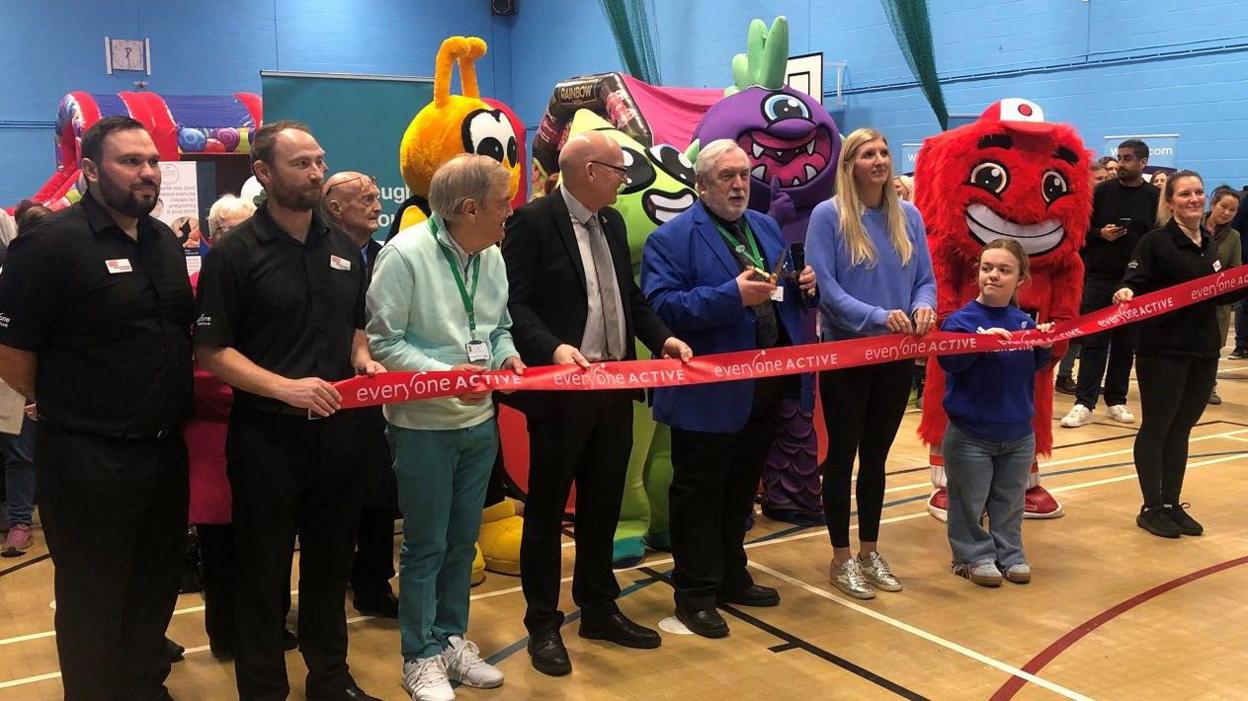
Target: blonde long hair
(851,208)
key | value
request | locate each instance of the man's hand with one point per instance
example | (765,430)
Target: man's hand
(472,397)
(1112,232)
(32,411)
(753,291)
(566,354)
(370,368)
(898,322)
(514,364)
(675,348)
(311,393)
(924,320)
(806,281)
(1123,295)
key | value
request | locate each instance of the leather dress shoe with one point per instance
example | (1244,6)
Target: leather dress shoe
(706,622)
(351,693)
(383,605)
(618,629)
(548,655)
(756,595)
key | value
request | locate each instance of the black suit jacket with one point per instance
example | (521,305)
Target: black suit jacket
(547,294)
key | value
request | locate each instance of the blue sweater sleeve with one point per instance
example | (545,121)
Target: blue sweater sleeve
(958,322)
(924,290)
(823,245)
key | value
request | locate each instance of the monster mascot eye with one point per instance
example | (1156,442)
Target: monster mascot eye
(489,133)
(990,176)
(640,172)
(673,162)
(1053,186)
(784,106)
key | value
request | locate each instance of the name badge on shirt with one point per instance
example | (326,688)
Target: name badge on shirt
(339,263)
(1217,265)
(118,265)
(777,295)
(478,352)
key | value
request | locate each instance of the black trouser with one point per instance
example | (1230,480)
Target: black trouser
(586,437)
(496,488)
(374,539)
(114,513)
(1107,354)
(288,475)
(715,476)
(862,410)
(1173,393)
(218,567)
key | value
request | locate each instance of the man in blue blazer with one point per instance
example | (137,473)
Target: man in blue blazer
(707,274)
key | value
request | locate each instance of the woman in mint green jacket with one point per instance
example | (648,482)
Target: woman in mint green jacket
(438,301)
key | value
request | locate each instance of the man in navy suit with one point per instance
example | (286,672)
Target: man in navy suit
(707,274)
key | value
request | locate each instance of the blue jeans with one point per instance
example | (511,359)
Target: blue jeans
(19,473)
(442,477)
(986,475)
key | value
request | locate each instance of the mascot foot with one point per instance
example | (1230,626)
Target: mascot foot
(660,541)
(499,539)
(628,552)
(1038,503)
(478,567)
(938,504)
(797,517)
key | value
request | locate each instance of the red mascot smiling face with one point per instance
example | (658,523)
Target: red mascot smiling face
(1009,174)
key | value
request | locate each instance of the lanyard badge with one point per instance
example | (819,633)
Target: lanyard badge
(478,351)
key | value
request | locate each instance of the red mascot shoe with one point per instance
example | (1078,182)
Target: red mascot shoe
(1038,503)
(938,504)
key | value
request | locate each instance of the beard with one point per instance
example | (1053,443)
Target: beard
(294,197)
(125,199)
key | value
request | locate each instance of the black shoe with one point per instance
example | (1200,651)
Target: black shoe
(351,693)
(290,641)
(797,517)
(618,629)
(221,653)
(706,623)
(1157,521)
(1065,385)
(175,651)
(548,655)
(1187,525)
(756,595)
(1238,353)
(382,605)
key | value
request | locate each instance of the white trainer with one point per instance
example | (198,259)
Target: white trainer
(1079,415)
(425,679)
(464,665)
(1121,414)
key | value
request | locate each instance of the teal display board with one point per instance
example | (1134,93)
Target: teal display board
(358,120)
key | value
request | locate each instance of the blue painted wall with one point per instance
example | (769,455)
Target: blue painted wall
(1106,66)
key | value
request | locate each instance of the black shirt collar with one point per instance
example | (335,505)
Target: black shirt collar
(267,229)
(102,222)
(730,225)
(1180,238)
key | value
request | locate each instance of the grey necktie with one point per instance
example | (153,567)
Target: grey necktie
(608,292)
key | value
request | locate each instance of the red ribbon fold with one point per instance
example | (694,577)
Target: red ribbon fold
(390,387)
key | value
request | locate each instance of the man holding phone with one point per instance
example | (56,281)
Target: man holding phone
(1123,210)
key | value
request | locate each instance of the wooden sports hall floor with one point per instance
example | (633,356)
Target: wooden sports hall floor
(1112,612)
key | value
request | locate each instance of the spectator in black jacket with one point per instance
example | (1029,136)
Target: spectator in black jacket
(1240,351)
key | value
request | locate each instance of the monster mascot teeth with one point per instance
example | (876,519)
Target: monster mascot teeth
(443,129)
(1010,174)
(660,186)
(793,145)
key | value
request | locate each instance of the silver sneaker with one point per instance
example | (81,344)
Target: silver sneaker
(875,568)
(850,579)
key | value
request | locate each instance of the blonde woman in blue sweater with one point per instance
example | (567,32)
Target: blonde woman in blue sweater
(438,301)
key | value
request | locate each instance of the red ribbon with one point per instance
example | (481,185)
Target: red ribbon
(390,387)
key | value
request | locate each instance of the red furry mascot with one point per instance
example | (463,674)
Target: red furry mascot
(1008,174)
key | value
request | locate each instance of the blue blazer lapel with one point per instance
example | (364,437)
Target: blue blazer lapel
(711,238)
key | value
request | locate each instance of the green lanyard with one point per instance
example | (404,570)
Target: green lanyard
(464,294)
(752,255)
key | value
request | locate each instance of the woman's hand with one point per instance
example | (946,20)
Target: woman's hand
(898,322)
(924,320)
(995,331)
(1046,327)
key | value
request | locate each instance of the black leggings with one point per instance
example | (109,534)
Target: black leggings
(862,409)
(1173,393)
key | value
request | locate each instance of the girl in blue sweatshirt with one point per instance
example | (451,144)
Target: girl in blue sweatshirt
(989,443)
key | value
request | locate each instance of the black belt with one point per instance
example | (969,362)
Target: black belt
(159,434)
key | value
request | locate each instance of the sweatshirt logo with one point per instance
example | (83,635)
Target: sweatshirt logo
(203,320)
(4,320)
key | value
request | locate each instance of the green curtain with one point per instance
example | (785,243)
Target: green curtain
(913,31)
(634,38)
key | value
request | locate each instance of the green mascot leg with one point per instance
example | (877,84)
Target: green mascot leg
(658,480)
(635,513)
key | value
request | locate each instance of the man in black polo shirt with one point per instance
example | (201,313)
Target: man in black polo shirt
(95,319)
(281,317)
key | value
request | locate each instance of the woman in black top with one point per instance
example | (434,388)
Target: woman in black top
(1177,355)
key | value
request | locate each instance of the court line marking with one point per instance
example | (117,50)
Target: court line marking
(920,633)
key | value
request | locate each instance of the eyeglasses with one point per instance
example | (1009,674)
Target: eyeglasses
(619,170)
(371,178)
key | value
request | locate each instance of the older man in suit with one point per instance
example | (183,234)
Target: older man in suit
(574,300)
(706,273)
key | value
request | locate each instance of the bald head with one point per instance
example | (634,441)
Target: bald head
(353,202)
(593,169)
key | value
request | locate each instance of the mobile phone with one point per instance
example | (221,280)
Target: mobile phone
(1124,222)
(797,254)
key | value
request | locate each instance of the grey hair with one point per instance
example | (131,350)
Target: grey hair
(708,158)
(227,206)
(464,177)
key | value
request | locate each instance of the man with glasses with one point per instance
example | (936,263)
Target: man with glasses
(573,300)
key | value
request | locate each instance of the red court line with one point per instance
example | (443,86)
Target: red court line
(1014,684)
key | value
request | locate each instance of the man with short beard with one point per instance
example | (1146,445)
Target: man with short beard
(281,318)
(95,319)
